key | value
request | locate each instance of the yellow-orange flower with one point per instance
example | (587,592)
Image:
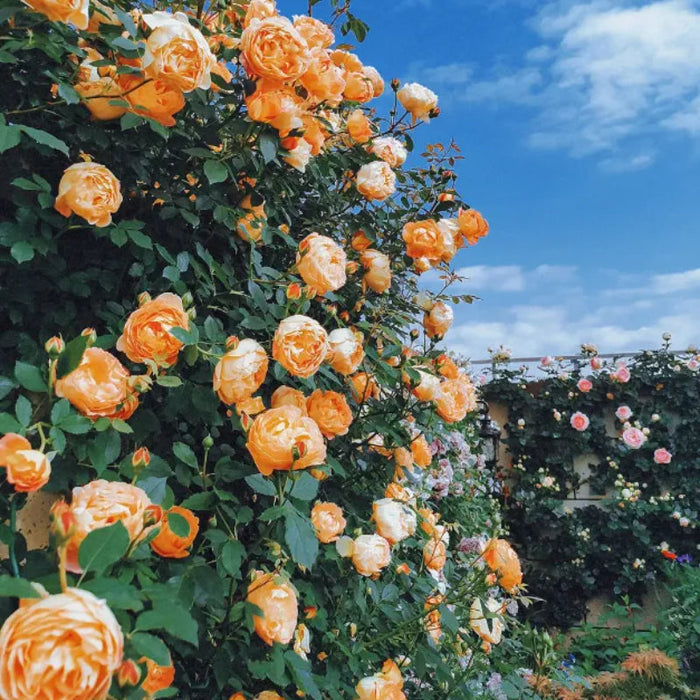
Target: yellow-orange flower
(377,270)
(372,74)
(28,470)
(321,263)
(323,80)
(317,34)
(98,386)
(417,100)
(90,191)
(331,412)
(62,647)
(328,521)
(157,677)
(390,150)
(395,521)
(420,450)
(166,543)
(277,600)
(268,695)
(283,439)
(428,386)
(438,320)
(359,127)
(300,345)
(472,226)
(358,87)
(432,619)
(240,372)
(146,334)
(435,554)
(286,396)
(67,11)
(11,443)
(157,99)
(375,180)
(455,398)
(249,227)
(259,9)
(98,88)
(370,554)
(385,685)
(501,558)
(272,48)
(346,350)
(364,387)
(447,367)
(359,241)
(178,52)
(489,628)
(424,240)
(101,503)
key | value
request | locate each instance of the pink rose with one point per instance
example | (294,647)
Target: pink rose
(596,363)
(624,413)
(584,385)
(634,438)
(580,421)
(621,374)
(662,456)
(547,361)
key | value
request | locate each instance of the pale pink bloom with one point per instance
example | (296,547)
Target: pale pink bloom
(624,413)
(634,438)
(547,361)
(579,421)
(662,456)
(584,385)
(621,374)
(596,363)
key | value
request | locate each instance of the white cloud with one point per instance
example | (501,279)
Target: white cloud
(676,282)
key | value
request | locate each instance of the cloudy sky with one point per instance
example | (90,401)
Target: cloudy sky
(579,121)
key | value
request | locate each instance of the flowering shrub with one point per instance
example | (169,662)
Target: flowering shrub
(211,356)
(635,425)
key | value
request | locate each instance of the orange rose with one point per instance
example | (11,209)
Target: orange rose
(157,99)
(427,388)
(390,150)
(455,398)
(399,493)
(328,521)
(286,396)
(314,133)
(372,74)
(346,350)
(250,406)
(347,61)
(395,521)
(283,439)
(166,543)
(358,87)
(331,412)
(447,367)
(250,226)
(370,554)
(240,372)
(157,677)
(420,450)
(385,685)
(489,629)
(501,558)
(259,9)
(101,14)
(323,80)
(300,345)
(98,386)
(375,180)
(272,48)
(178,52)
(359,127)
(359,241)
(10,444)
(277,600)
(364,387)
(438,320)
(321,263)
(449,230)
(268,695)
(424,240)
(67,11)
(432,619)
(435,554)
(472,226)
(61,647)
(90,191)
(317,34)
(98,89)
(28,470)
(429,521)
(299,156)
(417,100)
(378,270)
(101,503)
(146,334)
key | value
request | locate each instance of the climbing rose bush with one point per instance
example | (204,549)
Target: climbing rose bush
(261,477)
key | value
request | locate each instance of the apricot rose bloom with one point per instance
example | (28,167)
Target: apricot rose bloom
(10,444)
(317,34)
(166,543)
(370,554)
(28,470)
(157,677)
(428,387)
(364,386)
(146,334)
(375,180)
(438,320)
(98,88)
(321,263)
(346,350)
(424,240)
(417,100)
(489,629)
(178,52)
(435,554)
(300,345)
(284,438)
(372,74)
(328,521)
(240,372)
(359,127)
(420,450)
(385,685)
(378,270)
(502,559)
(390,150)
(472,226)
(98,386)
(324,81)
(455,398)
(277,600)
(395,521)
(268,695)
(62,647)
(157,99)
(331,412)
(73,12)
(287,396)
(90,191)
(272,48)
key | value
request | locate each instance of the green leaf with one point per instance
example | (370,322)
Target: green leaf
(171,618)
(305,488)
(71,357)
(23,411)
(121,426)
(10,135)
(60,410)
(199,501)
(22,251)
(151,647)
(188,337)
(118,594)
(103,547)
(184,453)
(301,672)
(215,171)
(268,144)
(45,138)
(11,587)
(30,377)
(6,386)
(140,239)
(8,424)
(154,486)
(75,424)
(300,538)
(232,554)
(260,484)
(166,380)
(68,93)
(178,525)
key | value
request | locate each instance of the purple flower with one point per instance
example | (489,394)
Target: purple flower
(684,559)
(469,545)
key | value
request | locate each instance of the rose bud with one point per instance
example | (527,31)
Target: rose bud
(129,673)
(55,346)
(141,458)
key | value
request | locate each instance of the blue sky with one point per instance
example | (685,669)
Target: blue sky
(579,121)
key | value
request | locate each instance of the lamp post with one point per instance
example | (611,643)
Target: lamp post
(490,434)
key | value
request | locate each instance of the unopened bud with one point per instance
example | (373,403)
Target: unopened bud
(344,316)
(246,422)
(208,442)
(192,313)
(446,197)
(395,83)
(55,346)
(140,383)
(187,299)
(294,291)
(351,267)
(141,458)
(91,335)
(129,673)
(62,522)
(232,342)
(422,265)
(414,333)
(152,515)
(434,113)
(143,298)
